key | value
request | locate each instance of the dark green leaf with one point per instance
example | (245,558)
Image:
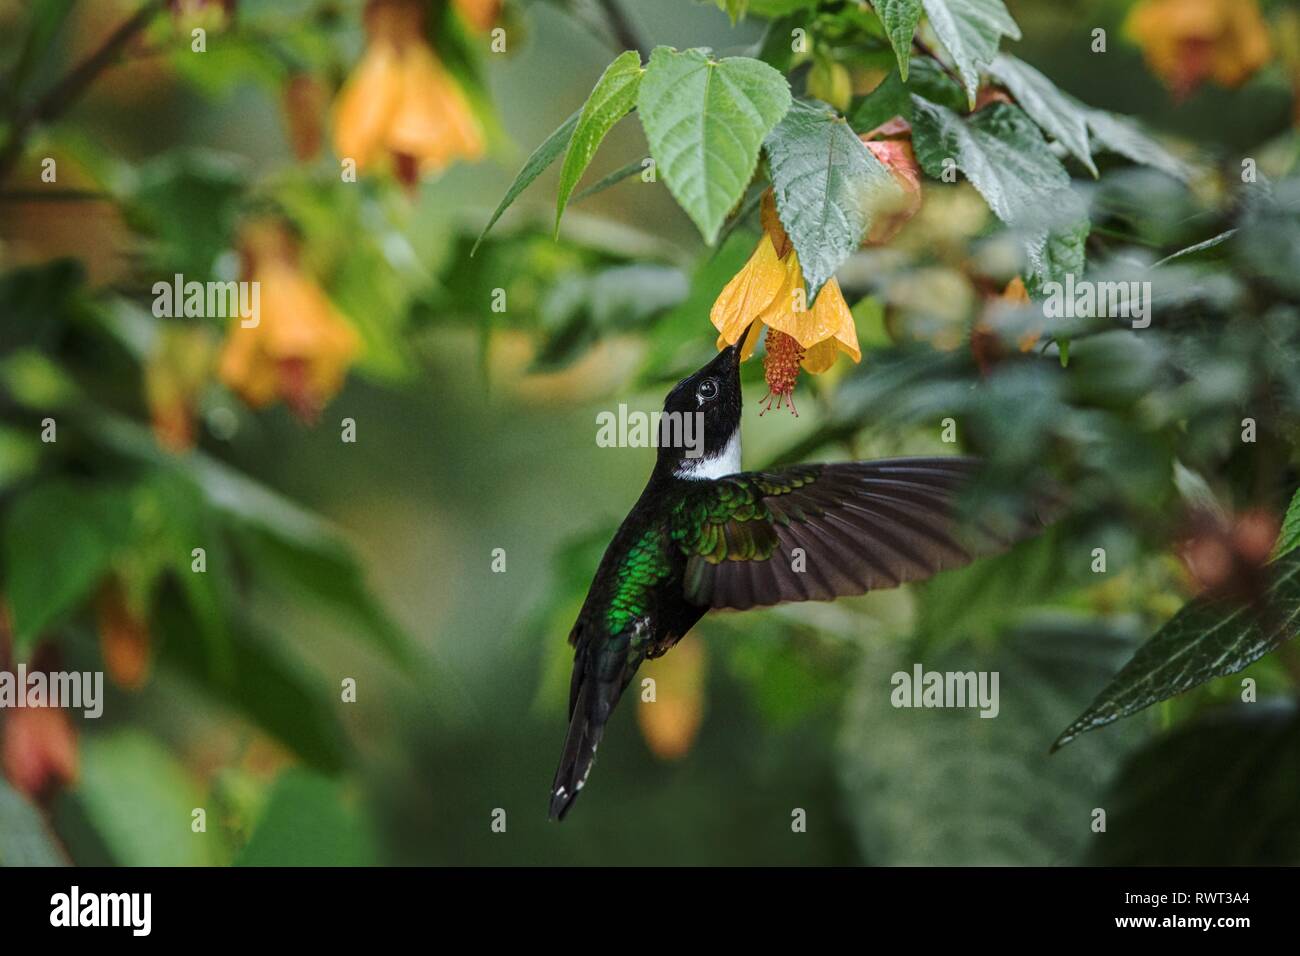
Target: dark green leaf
(1061,116)
(705,120)
(891,98)
(1208,638)
(900,18)
(1290,536)
(1119,134)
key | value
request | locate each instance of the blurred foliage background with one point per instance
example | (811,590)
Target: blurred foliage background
(372,560)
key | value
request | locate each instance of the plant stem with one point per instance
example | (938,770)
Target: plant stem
(70,88)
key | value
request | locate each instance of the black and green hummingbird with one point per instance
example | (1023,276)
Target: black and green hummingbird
(705,535)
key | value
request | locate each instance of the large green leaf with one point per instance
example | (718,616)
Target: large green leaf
(891,98)
(24,838)
(534,166)
(1119,134)
(971,30)
(1060,116)
(705,121)
(1208,638)
(138,800)
(58,541)
(1290,535)
(900,18)
(613,97)
(828,188)
(947,786)
(1005,157)
(308,821)
(1222,790)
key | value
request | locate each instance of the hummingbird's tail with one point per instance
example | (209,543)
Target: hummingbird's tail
(585,731)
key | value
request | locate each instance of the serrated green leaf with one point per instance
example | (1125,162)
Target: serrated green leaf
(1243,765)
(1060,116)
(900,18)
(611,99)
(947,786)
(1119,134)
(534,166)
(970,30)
(705,121)
(828,188)
(1208,638)
(1003,154)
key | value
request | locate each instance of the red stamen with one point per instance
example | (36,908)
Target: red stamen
(781,370)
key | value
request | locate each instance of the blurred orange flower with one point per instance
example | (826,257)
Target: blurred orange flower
(479,14)
(1186,42)
(174,375)
(124,639)
(301,347)
(769,291)
(38,745)
(891,143)
(400,102)
(672,720)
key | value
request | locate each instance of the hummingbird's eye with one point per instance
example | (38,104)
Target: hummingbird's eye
(708,390)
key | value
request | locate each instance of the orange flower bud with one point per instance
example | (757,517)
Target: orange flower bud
(124,640)
(1186,42)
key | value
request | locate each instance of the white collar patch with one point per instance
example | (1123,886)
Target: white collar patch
(712,467)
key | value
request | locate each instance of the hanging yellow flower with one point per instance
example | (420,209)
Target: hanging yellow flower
(400,102)
(301,348)
(1186,42)
(769,291)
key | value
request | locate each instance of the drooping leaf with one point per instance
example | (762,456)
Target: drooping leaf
(534,166)
(970,30)
(828,188)
(1119,134)
(947,786)
(1004,155)
(309,821)
(612,179)
(1061,116)
(1208,638)
(900,18)
(1224,788)
(705,121)
(613,97)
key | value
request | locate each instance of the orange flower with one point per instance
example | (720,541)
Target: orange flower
(479,14)
(124,639)
(1186,42)
(173,377)
(670,722)
(38,745)
(769,291)
(301,348)
(891,144)
(400,102)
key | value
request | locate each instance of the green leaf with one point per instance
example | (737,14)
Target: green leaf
(1119,134)
(1208,638)
(947,786)
(1003,154)
(1290,536)
(891,98)
(58,541)
(1242,763)
(138,799)
(970,31)
(308,821)
(534,166)
(828,188)
(612,179)
(1061,116)
(900,18)
(24,838)
(705,121)
(613,97)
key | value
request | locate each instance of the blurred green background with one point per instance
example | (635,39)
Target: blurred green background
(475,431)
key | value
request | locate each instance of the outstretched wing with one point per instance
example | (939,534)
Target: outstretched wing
(817,532)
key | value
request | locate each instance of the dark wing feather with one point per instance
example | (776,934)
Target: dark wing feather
(859,526)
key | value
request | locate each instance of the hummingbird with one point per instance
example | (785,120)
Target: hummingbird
(705,535)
